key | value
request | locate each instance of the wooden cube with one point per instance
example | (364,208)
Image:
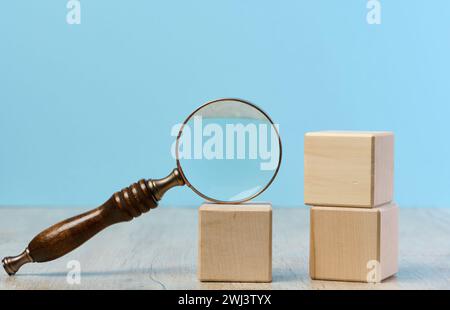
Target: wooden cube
(351,169)
(235,243)
(354,244)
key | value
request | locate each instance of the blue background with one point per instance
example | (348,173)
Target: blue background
(87,109)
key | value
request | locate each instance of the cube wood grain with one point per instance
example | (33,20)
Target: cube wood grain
(235,243)
(349,169)
(353,244)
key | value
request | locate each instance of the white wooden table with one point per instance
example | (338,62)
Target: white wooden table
(159,251)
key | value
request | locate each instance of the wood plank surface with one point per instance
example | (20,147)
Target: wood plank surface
(159,251)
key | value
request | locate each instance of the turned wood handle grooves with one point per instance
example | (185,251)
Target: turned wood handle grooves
(69,234)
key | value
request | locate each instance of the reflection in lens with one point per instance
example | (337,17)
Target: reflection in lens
(229,151)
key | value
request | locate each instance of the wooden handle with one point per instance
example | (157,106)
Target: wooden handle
(69,234)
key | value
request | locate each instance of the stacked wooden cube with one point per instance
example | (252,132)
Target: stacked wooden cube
(354,221)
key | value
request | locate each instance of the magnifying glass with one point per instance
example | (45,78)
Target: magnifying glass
(227,151)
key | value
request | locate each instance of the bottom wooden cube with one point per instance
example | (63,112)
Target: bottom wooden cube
(353,244)
(235,243)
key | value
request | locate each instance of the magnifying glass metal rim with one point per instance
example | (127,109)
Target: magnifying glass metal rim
(180,169)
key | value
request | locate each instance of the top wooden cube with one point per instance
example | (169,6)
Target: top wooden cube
(351,169)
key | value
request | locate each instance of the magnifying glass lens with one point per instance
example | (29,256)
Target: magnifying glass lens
(228,151)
